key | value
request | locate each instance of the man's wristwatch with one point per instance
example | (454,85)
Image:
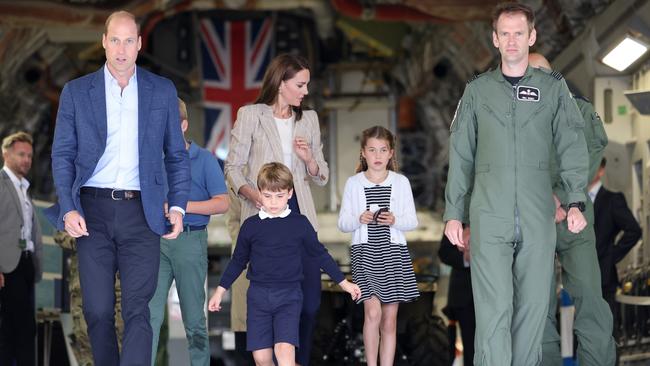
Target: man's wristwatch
(579,205)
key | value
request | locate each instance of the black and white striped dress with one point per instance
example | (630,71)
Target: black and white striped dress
(379,267)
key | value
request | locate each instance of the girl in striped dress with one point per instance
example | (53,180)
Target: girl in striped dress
(377,207)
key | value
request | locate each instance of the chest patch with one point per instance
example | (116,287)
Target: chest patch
(528,93)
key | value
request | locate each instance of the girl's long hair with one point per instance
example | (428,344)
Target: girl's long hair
(380,133)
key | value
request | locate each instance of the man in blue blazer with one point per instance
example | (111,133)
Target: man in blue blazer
(115,129)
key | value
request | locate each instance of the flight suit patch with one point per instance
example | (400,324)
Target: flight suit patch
(454,126)
(527,93)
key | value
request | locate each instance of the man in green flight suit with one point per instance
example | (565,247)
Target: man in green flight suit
(579,259)
(508,127)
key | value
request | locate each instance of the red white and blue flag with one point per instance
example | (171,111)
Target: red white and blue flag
(234,57)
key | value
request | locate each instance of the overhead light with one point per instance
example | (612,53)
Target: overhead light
(625,53)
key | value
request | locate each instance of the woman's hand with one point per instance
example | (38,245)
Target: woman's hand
(302,148)
(251,194)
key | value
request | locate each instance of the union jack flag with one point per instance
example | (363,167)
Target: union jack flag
(234,57)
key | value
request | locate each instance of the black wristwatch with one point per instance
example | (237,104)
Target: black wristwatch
(579,205)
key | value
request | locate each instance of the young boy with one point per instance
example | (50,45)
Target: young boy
(272,242)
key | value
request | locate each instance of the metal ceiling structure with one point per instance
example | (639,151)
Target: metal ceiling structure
(44,43)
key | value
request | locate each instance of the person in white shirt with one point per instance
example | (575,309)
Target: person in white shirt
(20,254)
(116,129)
(617,232)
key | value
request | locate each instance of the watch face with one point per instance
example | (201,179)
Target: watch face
(579,205)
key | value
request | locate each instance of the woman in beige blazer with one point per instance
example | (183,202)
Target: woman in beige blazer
(259,137)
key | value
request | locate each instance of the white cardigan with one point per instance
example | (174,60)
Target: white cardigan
(354,204)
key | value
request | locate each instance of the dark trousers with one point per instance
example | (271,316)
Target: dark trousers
(17,315)
(310,300)
(467,322)
(121,241)
(310,306)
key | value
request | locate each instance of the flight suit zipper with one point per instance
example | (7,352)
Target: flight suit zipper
(517,231)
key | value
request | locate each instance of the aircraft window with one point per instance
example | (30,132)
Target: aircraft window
(608,105)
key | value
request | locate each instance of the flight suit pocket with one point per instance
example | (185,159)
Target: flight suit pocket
(488,229)
(493,115)
(543,165)
(597,144)
(534,116)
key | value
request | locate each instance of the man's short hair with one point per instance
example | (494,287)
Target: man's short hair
(182,109)
(511,7)
(10,140)
(274,177)
(120,14)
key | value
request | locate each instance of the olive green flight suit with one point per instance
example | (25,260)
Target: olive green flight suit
(503,139)
(580,271)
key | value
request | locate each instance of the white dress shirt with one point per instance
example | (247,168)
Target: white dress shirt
(593,191)
(285,129)
(265,215)
(21,185)
(118,168)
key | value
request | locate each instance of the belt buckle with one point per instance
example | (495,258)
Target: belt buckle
(128,195)
(113,195)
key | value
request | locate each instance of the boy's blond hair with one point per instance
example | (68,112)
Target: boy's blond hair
(274,177)
(182,110)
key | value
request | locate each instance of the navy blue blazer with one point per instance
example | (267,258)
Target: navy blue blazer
(611,217)
(80,141)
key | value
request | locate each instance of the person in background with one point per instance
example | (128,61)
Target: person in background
(612,217)
(185,259)
(577,256)
(460,301)
(21,254)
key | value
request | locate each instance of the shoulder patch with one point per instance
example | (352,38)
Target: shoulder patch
(577,96)
(555,74)
(476,76)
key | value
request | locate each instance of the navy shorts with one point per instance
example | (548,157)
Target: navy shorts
(273,316)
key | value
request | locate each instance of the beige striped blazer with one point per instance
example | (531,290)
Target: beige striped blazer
(255,141)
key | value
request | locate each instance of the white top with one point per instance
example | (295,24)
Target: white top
(285,129)
(21,186)
(119,165)
(593,192)
(353,205)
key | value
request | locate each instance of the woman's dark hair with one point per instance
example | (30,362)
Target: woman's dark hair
(282,68)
